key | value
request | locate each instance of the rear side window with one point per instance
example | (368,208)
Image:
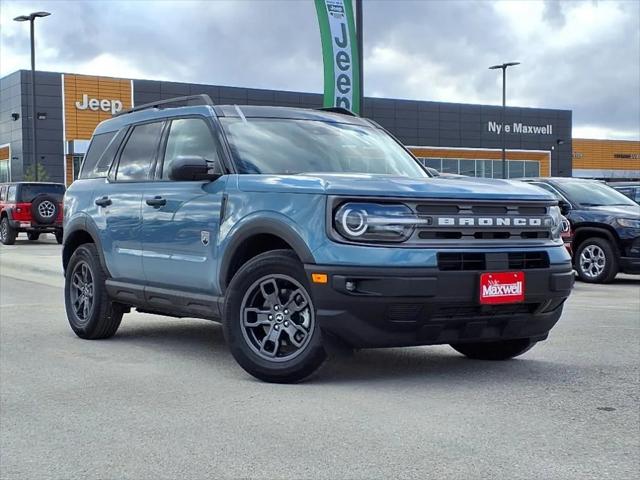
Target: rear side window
(11,196)
(29,191)
(139,152)
(99,144)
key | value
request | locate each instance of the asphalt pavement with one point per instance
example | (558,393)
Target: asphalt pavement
(164,399)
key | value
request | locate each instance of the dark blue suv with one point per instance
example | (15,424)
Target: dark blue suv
(605,224)
(302,228)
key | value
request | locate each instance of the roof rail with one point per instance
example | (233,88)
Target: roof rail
(342,110)
(202,98)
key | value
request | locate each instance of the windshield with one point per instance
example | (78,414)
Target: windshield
(286,146)
(594,194)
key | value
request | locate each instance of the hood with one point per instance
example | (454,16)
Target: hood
(626,211)
(392,186)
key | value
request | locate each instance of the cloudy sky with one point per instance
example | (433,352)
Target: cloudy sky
(578,55)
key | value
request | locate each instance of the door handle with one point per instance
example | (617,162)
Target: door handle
(156,201)
(103,202)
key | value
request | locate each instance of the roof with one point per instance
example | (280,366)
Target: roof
(231,111)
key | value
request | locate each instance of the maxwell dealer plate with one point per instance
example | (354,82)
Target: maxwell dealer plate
(505,287)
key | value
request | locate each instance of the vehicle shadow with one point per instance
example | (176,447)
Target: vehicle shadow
(202,340)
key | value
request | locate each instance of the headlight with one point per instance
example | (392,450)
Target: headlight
(373,222)
(556,222)
(628,222)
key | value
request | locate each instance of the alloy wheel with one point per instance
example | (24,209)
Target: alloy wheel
(277,317)
(592,261)
(82,291)
(3,230)
(47,209)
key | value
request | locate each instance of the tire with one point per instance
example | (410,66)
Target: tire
(102,317)
(59,236)
(283,345)
(33,236)
(500,350)
(596,261)
(45,209)
(7,233)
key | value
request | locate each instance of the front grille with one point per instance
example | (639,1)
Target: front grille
(472,261)
(486,222)
(448,262)
(528,260)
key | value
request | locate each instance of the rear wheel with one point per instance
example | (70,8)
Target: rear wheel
(596,261)
(269,319)
(33,236)
(7,233)
(91,314)
(501,350)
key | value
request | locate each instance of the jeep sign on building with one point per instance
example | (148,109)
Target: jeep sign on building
(451,137)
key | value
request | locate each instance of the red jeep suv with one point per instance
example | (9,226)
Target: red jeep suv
(31,207)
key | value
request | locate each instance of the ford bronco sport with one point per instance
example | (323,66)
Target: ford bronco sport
(31,207)
(302,229)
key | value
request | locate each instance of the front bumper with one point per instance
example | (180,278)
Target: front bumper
(425,306)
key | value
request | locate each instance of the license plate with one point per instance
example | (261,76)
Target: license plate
(503,287)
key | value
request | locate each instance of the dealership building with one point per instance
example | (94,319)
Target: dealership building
(451,137)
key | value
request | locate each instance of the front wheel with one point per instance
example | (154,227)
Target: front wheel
(595,261)
(500,350)
(269,319)
(7,232)
(91,313)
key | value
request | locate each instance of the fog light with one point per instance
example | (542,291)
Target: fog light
(350,286)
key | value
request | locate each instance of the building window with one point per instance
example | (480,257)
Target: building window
(484,168)
(4,171)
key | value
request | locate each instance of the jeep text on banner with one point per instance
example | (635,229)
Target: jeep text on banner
(340,54)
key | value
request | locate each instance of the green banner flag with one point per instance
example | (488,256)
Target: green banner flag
(340,54)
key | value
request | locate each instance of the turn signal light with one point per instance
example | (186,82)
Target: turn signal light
(319,278)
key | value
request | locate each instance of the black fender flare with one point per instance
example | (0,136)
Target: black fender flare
(259,226)
(82,224)
(600,231)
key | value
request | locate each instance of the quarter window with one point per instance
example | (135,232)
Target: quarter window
(188,137)
(139,152)
(96,149)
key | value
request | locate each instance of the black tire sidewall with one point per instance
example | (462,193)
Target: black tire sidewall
(296,369)
(11,233)
(611,262)
(36,214)
(102,306)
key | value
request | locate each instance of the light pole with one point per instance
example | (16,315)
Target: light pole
(504,67)
(31,19)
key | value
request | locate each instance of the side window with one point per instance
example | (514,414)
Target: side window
(3,191)
(98,145)
(139,152)
(550,189)
(188,137)
(11,196)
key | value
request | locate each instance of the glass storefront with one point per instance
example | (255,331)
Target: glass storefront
(484,168)
(4,171)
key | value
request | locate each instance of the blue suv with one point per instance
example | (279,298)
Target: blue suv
(301,229)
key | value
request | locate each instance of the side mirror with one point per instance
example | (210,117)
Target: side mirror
(192,168)
(565,207)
